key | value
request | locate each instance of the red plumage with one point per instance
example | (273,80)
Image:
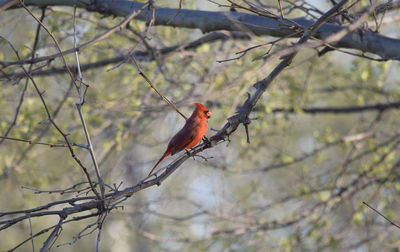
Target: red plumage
(191,133)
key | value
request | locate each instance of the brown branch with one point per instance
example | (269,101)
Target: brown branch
(280,8)
(384,7)
(177,12)
(8,5)
(141,73)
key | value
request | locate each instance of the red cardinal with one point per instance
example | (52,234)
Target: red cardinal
(190,135)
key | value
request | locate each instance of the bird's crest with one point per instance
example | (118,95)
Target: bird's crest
(200,107)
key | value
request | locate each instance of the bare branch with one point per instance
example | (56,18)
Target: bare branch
(49,117)
(380,107)
(386,218)
(53,38)
(79,107)
(53,236)
(366,41)
(21,99)
(139,55)
(261,86)
(155,89)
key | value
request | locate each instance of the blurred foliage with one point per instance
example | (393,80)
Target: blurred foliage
(298,186)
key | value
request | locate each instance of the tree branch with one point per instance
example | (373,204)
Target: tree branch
(207,21)
(342,110)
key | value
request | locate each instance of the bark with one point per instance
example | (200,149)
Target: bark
(207,21)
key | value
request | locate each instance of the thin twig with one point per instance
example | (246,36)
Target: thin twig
(78,67)
(245,51)
(93,41)
(80,234)
(280,8)
(71,189)
(53,236)
(24,152)
(154,88)
(100,222)
(139,55)
(386,218)
(245,110)
(177,12)
(31,234)
(79,107)
(21,99)
(49,117)
(51,145)
(53,38)
(43,231)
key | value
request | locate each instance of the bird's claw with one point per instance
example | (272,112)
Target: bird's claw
(207,142)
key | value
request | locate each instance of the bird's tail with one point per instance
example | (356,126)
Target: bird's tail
(167,152)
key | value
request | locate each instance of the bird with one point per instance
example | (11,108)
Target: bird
(191,133)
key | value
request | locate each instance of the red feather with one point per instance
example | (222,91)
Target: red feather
(191,133)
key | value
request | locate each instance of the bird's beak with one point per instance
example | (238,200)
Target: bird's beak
(209,114)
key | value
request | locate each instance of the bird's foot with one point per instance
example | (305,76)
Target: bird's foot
(207,142)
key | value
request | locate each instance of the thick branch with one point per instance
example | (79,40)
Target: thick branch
(344,110)
(207,21)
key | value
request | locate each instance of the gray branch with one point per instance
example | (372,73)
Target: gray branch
(207,21)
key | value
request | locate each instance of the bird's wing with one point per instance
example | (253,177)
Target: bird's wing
(181,140)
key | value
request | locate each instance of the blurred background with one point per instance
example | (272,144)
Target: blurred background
(298,186)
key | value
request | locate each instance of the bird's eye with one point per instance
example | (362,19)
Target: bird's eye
(207,113)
